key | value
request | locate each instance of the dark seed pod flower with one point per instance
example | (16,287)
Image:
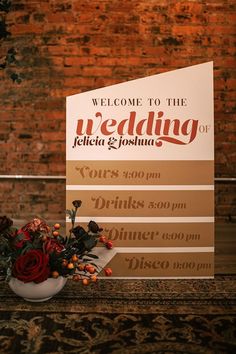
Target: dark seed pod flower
(93,227)
(77,203)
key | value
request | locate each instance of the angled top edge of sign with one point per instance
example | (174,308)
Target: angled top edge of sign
(168,116)
(206,65)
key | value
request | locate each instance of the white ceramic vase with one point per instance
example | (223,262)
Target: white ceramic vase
(37,292)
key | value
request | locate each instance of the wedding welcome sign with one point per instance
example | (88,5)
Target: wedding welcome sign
(140,155)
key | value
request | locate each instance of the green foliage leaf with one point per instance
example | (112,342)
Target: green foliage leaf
(69,212)
(94,264)
(92,255)
(27,246)
(19,237)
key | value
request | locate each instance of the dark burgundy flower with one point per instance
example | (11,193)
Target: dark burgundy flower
(52,245)
(5,223)
(77,203)
(32,266)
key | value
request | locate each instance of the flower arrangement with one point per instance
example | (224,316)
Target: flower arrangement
(36,252)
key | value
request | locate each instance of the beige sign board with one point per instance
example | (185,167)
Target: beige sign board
(140,155)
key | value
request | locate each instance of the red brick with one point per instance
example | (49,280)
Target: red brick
(187,30)
(77,61)
(96,71)
(79,82)
(60,17)
(188,7)
(53,136)
(20,29)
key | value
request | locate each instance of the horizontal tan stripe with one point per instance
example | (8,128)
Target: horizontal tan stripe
(143,203)
(162,265)
(140,172)
(158,235)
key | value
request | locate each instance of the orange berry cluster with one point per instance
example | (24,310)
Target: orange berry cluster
(56,227)
(85,281)
(75,263)
(107,243)
(88,270)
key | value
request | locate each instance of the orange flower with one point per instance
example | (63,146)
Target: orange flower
(36,225)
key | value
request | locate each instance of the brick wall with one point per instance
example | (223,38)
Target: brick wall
(50,49)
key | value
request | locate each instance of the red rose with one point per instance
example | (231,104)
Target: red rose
(25,236)
(52,245)
(32,266)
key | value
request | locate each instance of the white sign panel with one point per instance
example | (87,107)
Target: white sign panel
(140,155)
